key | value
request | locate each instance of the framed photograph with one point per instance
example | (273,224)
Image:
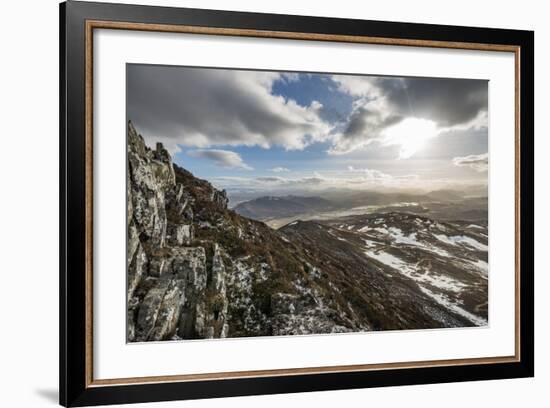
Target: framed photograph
(256,204)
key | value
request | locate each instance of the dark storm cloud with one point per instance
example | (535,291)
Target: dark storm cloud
(446,101)
(206,107)
(364,126)
(365,121)
(384,101)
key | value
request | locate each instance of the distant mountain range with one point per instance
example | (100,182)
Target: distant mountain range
(279,207)
(444,204)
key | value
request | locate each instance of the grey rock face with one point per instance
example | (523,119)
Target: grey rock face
(158,267)
(149,310)
(150,175)
(179,234)
(136,269)
(169,311)
(158,313)
(218,271)
(168,291)
(189,264)
(217,299)
(220,199)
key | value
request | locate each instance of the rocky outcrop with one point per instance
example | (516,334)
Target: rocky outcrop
(168,271)
(150,175)
(219,198)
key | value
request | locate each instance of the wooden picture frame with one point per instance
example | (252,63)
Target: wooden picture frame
(78,20)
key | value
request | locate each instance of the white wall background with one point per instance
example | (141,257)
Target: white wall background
(29,204)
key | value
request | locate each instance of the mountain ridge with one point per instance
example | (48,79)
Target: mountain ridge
(281,206)
(443,204)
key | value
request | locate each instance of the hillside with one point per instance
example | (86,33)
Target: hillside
(443,265)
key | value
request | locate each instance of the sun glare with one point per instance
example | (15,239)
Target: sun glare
(411,135)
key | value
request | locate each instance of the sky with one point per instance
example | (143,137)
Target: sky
(274,133)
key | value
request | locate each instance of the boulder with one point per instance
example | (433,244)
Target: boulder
(169,312)
(149,310)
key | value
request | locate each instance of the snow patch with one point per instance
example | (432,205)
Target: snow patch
(412,272)
(387,259)
(474,226)
(484,266)
(449,304)
(479,266)
(461,239)
(399,237)
(369,243)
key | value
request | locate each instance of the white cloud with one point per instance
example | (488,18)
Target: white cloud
(352,179)
(203,108)
(368,125)
(279,170)
(477,162)
(222,158)
(215,108)
(316,179)
(370,174)
(290,77)
(359,86)
(410,134)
